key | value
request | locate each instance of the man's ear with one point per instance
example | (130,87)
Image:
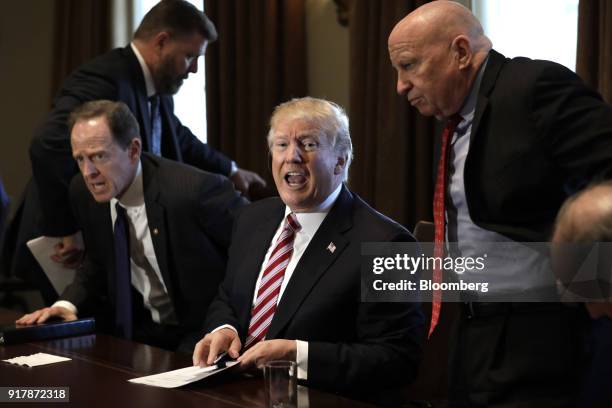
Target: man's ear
(340,163)
(161,40)
(462,49)
(134,150)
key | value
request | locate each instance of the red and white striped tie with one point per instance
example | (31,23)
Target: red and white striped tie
(271,281)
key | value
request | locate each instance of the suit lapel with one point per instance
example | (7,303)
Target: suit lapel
(156,218)
(494,65)
(98,235)
(143,106)
(315,261)
(142,101)
(104,226)
(492,69)
(170,146)
(260,242)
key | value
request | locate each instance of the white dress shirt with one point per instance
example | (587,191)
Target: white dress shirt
(310,223)
(506,263)
(146,275)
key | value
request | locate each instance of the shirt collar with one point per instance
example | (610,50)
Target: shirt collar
(150,85)
(134,195)
(469,105)
(310,221)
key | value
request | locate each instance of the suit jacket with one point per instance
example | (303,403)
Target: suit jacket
(190,215)
(116,76)
(538,134)
(352,344)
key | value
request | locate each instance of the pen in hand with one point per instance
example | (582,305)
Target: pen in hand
(219,357)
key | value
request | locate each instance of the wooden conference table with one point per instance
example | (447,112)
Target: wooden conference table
(101,365)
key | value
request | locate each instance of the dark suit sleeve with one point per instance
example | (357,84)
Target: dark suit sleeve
(221,311)
(196,153)
(87,289)
(218,205)
(84,291)
(50,152)
(386,352)
(575,123)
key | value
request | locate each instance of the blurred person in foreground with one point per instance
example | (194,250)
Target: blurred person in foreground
(585,222)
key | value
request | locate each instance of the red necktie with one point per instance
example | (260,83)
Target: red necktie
(271,280)
(439,219)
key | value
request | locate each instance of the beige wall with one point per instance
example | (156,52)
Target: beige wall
(26,35)
(328,53)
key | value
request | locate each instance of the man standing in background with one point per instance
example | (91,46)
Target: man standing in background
(144,75)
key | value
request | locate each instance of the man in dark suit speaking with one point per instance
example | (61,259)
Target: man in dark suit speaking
(292,289)
(156,233)
(144,75)
(520,135)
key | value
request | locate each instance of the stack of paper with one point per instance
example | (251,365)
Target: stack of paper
(36,359)
(43,248)
(182,376)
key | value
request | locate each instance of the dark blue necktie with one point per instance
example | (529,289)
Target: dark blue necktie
(156,128)
(123,275)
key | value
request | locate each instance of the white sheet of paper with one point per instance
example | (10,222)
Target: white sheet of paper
(58,274)
(182,376)
(37,359)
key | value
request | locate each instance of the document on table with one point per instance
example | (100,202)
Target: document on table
(37,359)
(42,248)
(182,376)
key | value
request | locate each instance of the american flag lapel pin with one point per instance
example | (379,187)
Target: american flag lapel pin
(331,247)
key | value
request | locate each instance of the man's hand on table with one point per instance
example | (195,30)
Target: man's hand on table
(226,340)
(268,350)
(213,344)
(42,315)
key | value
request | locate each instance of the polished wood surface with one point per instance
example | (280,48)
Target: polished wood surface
(101,365)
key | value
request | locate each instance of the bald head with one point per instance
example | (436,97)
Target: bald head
(441,21)
(437,51)
(587,216)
